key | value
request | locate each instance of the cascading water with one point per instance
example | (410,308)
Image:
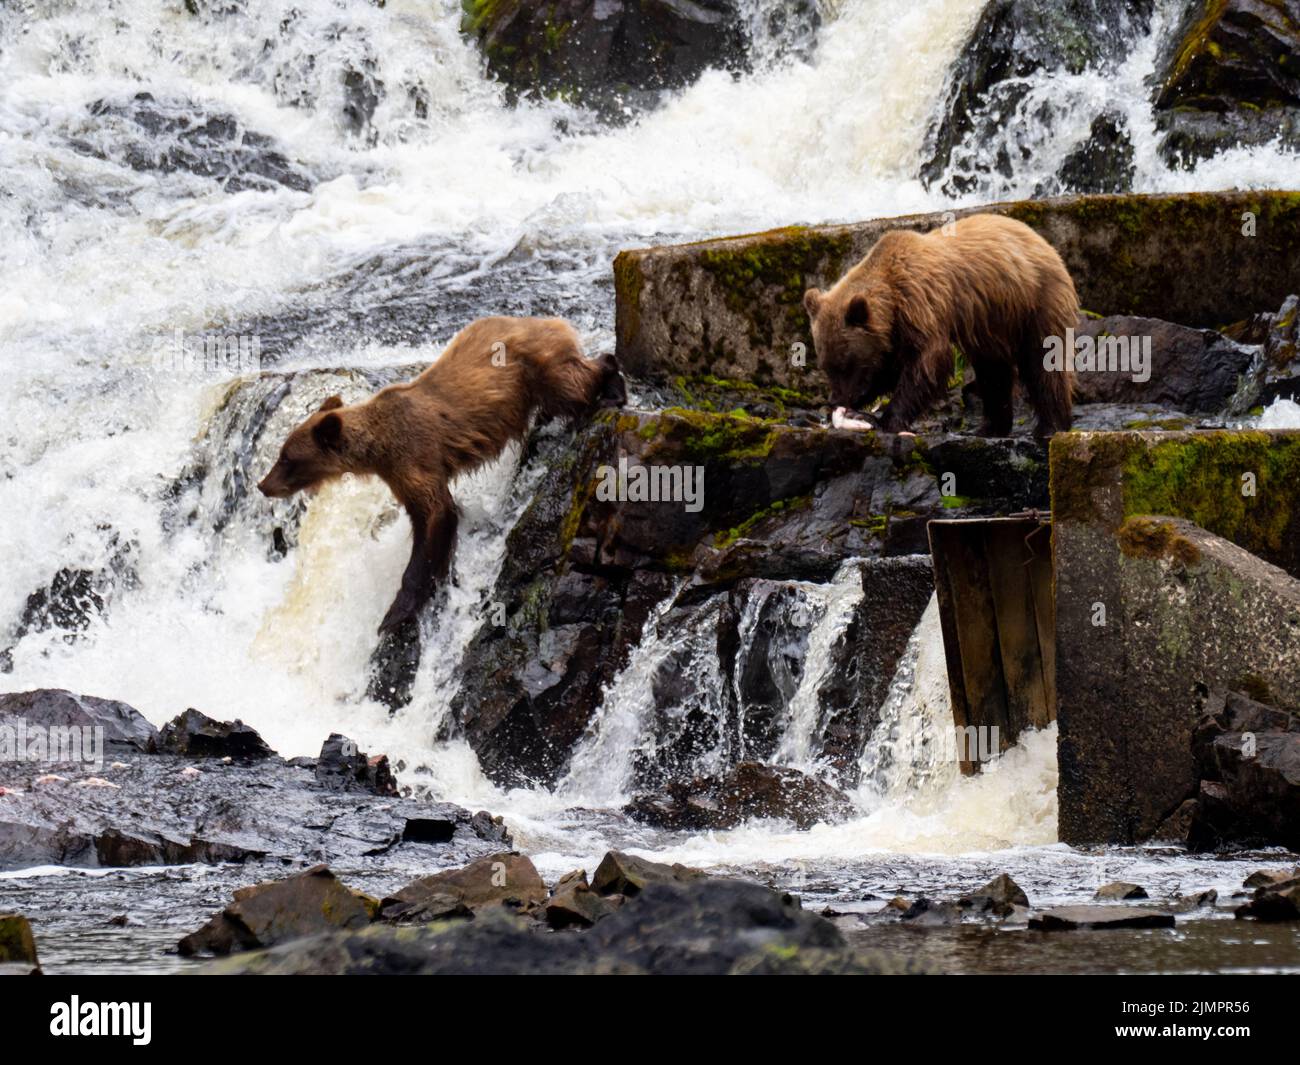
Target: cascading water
(342,182)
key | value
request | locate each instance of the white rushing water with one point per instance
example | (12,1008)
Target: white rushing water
(448,197)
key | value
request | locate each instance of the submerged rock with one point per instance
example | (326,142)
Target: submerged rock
(749,790)
(266,914)
(1120,890)
(1071,918)
(706,927)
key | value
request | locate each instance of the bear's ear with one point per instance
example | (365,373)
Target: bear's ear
(328,432)
(855,314)
(333,403)
(812,300)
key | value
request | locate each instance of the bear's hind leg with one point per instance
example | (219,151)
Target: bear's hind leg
(993,381)
(1049,392)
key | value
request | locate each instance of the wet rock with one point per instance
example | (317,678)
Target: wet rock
(167,809)
(931,912)
(732,307)
(710,926)
(628,875)
(1274,902)
(1189,370)
(1248,763)
(1275,371)
(1228,78)
(573,903)
(506,880)
(1070,918)
(1103,163)
(749,790)
(196,735)
(1012,40)
(266,914)
(341,765)
(1118,890)
(17,944)
(169,135)
(1270,877)
(51,708)
(609,55)
(999,896)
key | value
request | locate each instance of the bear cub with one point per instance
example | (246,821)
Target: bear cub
(989,285)
(457,415)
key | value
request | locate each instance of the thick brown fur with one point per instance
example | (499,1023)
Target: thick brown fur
(457,415)
(989,285)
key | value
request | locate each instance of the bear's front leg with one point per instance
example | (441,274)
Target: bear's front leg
(433,533)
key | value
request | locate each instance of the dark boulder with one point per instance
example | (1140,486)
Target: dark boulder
(1188,370)
(990,79)
(1228,76)
(627,874)
(749,790)
(999,896)
(341,765)
(1275,371)
(1102,163)
(196,735)
(266,914)
(49,708)
(1273,902)
(507,880)
(607,54)
(573,903)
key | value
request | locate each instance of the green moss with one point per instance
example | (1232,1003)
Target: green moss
(781,506)
(1147,537)
(774,266)
(703,436)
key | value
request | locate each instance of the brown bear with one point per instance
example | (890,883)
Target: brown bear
(458,414)
(987,284)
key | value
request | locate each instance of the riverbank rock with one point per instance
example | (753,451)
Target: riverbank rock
(169,809)
(1194,371)
(266,914)
(1248,763)
(628,874)
(17,945)
(53,708)
(609,55)
(749,790)
(1228,77)
(1273,902)
(505,880)
(196,735)
(1011,41)
(573,903)
(732,307)
(705,927)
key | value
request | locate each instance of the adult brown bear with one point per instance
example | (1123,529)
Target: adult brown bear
(987,284)
(458,414)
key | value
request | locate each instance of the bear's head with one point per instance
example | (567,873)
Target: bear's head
(315,452)
(851,336)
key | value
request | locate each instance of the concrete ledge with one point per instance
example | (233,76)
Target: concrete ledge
(732,307)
